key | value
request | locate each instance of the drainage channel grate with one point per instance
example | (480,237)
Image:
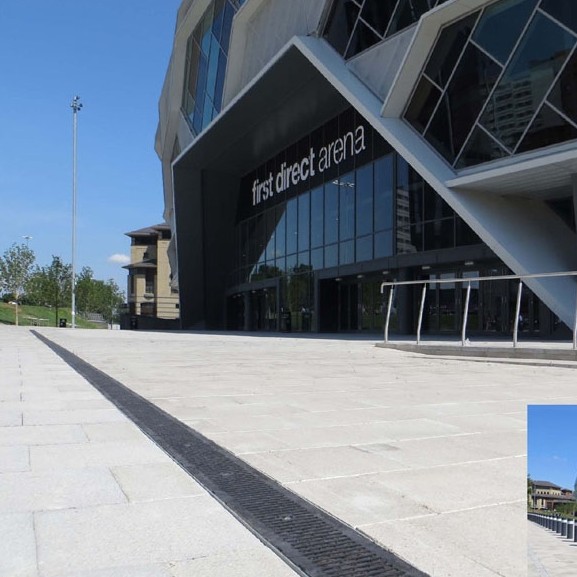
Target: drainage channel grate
(310,540)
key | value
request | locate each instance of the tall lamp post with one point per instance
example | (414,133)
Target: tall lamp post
(76,107)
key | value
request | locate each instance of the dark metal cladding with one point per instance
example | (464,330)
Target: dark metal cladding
(312,541)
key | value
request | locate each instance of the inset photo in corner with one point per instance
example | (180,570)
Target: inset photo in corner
(551,490)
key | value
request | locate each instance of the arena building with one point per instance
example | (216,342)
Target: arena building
(313,149)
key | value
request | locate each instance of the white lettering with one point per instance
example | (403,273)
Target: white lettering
(342,148)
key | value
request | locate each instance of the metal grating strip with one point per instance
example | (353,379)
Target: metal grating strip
(309,539)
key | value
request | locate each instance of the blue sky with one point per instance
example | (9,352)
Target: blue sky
(114,55)
(552,443)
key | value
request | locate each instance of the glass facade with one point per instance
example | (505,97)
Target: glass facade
(355,25)
(353,200)
(499,82)
(206,59)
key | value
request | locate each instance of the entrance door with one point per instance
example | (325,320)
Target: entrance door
(263,310)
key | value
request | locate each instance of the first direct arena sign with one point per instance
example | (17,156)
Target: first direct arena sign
(347,146)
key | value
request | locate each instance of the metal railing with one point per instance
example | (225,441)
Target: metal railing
(564,527)
(468,281)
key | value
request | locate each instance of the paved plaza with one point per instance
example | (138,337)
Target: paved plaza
(425,455)
(549,554)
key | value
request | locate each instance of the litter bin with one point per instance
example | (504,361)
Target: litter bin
(286,319)
(62,323)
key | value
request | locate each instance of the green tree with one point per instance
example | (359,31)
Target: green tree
(97,296)
(51,285)
(15,271)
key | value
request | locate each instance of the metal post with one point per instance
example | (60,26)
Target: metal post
(517,310)
(465,314)
(421,313)
(76,106)
(389,305)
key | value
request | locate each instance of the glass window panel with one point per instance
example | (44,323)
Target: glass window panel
(218,17)
(270,217)
(341,23)
(500,26)
(291,263)
(219,88)
(331,213)
(280,235)
(439,234)
(206,111)
(439,131)
(407,13)
(212,68)
(563,96)
(331,255)
(435,207)
(206,35)
(422,104)
(364,248)
(535,63)
(480,148)
(226,26)
(364,200)
(197,120)
(464,234)
(317,258)
(202,74)
(383,244)
(347,206)
(304,221)
(304,259)
(409,239)
(378,13)
(474,78)
(548,128)
(563,10)
(448,48)
(317,203)
(363,37)
(291,226)
(383,169)
(347,252)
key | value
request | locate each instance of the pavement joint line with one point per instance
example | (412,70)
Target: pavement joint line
(310,540)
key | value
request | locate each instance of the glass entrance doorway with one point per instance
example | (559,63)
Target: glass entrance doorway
(263,310)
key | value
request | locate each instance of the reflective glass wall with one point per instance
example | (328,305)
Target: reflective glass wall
(206,58)
(500,82)
(367,206)
(355,25)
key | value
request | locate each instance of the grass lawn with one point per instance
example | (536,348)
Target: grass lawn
(42,316)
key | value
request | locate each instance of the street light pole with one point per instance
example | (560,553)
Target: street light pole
(76,106)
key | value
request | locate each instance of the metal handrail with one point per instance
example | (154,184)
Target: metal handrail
(469,280)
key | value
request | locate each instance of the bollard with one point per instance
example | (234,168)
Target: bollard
(564,527)
(570,529)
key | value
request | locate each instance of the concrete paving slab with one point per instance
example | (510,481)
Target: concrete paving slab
(159,570)
(14,459)
(241,564)
(59,489)
(152,482)
(69,417)
(42,435)
(107,432)
(328,462)
(76,540)
(449,543)
(17,545)
(107,454)
(359,500)
(10,418)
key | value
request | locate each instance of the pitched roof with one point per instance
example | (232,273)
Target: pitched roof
(149,230)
